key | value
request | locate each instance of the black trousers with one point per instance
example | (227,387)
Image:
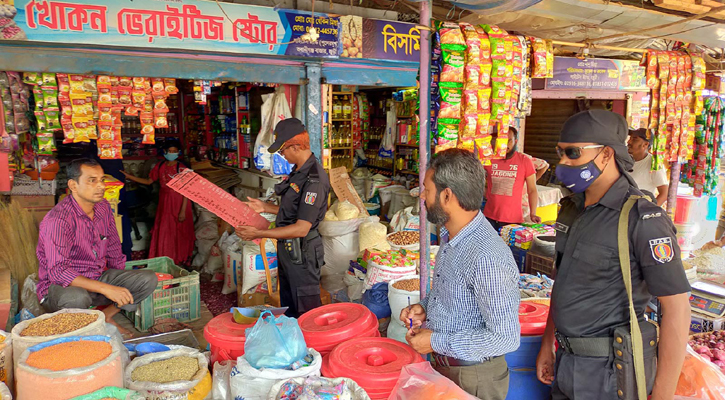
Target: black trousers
(299,283)
(497,225)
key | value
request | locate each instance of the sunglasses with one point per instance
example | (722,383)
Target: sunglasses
(574,152)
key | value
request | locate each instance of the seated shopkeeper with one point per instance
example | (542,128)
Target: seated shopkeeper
(81,263)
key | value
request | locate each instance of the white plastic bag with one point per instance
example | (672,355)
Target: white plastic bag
(274,109)
(352,392)
(253,272)
(249,383)
(166,391)
(221,389)
(373,234)
(5,392)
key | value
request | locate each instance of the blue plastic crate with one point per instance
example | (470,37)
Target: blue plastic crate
(519,256)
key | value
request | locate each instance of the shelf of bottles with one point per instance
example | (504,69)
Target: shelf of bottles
(244,128)
(337,129)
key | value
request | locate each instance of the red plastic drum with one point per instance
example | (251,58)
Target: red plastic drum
(327,326)
(374,363)
(532,317)
(226,338)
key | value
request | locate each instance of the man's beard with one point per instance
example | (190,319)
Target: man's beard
(436,215)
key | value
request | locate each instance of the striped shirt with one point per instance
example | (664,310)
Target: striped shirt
(71,244)
(473,306)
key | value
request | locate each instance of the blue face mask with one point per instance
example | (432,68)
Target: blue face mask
(579,178)
(171,156)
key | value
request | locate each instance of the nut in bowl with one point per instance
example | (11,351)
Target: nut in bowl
(408,240)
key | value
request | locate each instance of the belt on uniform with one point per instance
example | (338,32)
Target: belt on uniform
(313,234)
(585,347)
(445,361)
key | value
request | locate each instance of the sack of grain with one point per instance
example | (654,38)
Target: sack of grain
(253,272)
(168,375)
(5,392)
(108,393)
(400,291)
(249,383)
(341,242)
(63,323)
(6,359)
(373,235)
(67,367)
(378,272)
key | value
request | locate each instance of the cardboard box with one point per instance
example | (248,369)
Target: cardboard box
(38,206)
(119,227)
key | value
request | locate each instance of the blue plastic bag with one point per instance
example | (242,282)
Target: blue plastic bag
(376,300)
(274,342)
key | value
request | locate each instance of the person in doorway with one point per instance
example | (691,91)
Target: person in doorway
(540,166)
(654,182)
(173,235)
(595,317)
(80,262)
(505,180)
(471,315)
(303,205)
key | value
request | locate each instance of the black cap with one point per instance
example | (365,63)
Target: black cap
(641,133)
(286,130)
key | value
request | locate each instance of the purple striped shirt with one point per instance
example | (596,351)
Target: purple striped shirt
(72,245)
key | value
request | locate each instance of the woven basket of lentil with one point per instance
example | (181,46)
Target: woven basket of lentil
(67,367)
(64,323)
(153,375)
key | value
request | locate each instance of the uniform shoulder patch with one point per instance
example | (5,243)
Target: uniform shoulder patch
(661,249)
(310,198)
(294,187)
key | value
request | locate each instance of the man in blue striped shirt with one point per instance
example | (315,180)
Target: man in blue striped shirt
(471,314)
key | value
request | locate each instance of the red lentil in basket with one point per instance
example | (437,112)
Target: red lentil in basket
(64,356)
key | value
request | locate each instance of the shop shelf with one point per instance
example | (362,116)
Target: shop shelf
(177,298)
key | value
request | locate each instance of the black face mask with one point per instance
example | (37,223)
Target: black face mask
(436,215)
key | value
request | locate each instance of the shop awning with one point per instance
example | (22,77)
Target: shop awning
(120,62)
(370,73)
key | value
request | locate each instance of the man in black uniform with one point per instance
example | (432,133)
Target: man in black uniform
(303,206)
(606,351)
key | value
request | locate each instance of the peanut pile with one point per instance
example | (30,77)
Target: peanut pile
(180,368)
(409,285)
(404,238)
(59,324)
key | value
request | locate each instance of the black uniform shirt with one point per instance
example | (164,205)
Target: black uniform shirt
(304,195)
(589,298)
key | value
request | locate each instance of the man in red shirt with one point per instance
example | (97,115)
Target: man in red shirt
(505,180)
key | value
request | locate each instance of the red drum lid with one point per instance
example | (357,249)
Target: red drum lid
(532,317)
(336,323)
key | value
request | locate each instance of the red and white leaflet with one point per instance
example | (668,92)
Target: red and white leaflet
(210,196)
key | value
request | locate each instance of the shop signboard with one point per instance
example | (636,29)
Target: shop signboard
(380,39)
(174,24)
(571,73)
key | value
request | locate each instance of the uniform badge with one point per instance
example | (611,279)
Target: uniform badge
(294,187)
(662,249)
(310,198)
(561,227)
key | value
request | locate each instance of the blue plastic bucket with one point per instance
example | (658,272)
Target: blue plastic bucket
(523,385)
(373,208)
(525,356)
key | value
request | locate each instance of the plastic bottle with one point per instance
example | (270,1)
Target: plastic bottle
(336,108)
(346,108)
